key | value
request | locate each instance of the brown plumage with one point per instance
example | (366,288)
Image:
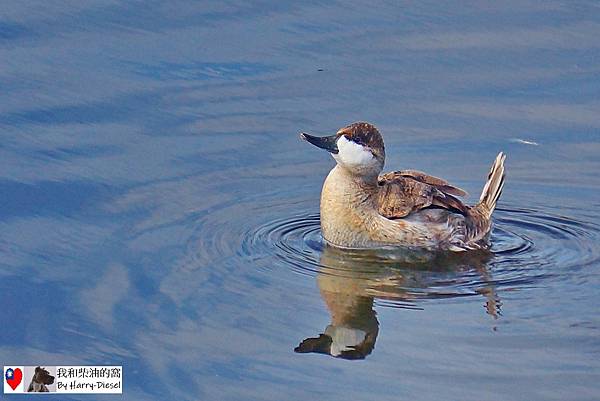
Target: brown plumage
(362,209)
(404,192)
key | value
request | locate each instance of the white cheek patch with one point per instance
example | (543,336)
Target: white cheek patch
(353,154)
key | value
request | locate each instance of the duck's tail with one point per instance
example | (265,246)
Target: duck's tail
(493,187)
(479,217)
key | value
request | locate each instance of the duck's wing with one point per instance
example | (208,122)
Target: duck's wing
(439,183)
(407,191)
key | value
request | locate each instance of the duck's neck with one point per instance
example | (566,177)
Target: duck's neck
(348,206)
(352,190)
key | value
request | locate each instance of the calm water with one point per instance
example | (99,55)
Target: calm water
(158,211)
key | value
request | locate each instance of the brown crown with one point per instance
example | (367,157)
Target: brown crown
(365,134)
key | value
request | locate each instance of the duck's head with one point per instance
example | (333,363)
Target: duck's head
(358,148)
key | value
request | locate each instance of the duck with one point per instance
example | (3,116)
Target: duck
(361,208)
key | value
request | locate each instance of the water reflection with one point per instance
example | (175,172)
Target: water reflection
(350,282)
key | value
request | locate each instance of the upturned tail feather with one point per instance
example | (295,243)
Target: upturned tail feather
(479,219)
(493,187)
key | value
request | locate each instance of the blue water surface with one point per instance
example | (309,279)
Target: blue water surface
(158,210)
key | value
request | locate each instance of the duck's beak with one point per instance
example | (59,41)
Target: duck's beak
(329,143)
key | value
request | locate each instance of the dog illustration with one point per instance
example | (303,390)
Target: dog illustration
(39,381)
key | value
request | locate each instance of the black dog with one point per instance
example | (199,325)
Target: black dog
(39,381)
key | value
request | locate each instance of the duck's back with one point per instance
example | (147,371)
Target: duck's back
(404,192)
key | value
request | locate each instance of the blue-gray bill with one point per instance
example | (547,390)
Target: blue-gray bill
(329,143)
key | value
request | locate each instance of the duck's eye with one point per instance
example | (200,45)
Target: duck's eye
(357,140)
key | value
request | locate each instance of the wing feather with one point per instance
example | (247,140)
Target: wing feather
(407,191)
(439,183)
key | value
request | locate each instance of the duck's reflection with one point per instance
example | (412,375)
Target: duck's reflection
(350,282)
(354,326)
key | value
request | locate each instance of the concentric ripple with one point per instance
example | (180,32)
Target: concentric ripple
(528,247)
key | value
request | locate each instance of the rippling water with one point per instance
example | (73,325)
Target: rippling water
(158,211)
(525,243)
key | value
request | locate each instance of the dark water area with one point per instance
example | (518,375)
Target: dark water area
(158,210)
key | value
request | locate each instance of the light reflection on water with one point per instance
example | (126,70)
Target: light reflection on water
(157,209)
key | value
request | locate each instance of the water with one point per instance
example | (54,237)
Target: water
(158,210)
